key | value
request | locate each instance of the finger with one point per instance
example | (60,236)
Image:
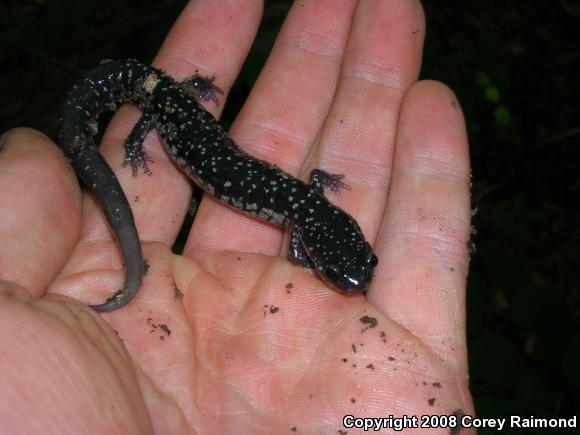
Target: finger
(209,37)
(420,281)
(40,203)
(60,364)
(382,60)
(282,116)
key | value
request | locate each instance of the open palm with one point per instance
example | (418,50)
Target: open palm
(231,338)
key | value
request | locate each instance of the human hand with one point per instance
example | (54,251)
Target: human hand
(231,337)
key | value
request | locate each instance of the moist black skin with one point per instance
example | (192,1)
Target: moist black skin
(322,235)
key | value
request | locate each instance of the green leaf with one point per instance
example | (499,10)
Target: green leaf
(502,115)
(482,79)
(491,94)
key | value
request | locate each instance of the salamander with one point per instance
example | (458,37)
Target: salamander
(323,236)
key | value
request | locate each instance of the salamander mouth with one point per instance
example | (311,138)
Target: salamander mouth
(353,284)
(351,281)
(357,280)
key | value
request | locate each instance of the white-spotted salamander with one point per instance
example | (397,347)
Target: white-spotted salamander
(322,235)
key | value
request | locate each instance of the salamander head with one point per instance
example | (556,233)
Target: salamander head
(349,274)
(337,247)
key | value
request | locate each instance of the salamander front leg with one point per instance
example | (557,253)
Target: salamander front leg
(134,154)
(320,179)
(202,88)
(296,252)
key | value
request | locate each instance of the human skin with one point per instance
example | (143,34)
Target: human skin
(256,345)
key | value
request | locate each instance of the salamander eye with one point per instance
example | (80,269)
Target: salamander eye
(332,272)
(374,261)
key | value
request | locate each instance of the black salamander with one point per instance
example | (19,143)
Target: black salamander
(322,235)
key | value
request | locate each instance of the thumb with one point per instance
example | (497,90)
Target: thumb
(40,203)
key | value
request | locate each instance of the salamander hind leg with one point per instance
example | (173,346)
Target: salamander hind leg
(134,154)
(320,179)
(201,88)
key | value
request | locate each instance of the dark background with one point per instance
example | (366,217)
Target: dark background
(516,69)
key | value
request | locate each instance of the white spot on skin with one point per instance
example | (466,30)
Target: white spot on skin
(279,218)
(151,82)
